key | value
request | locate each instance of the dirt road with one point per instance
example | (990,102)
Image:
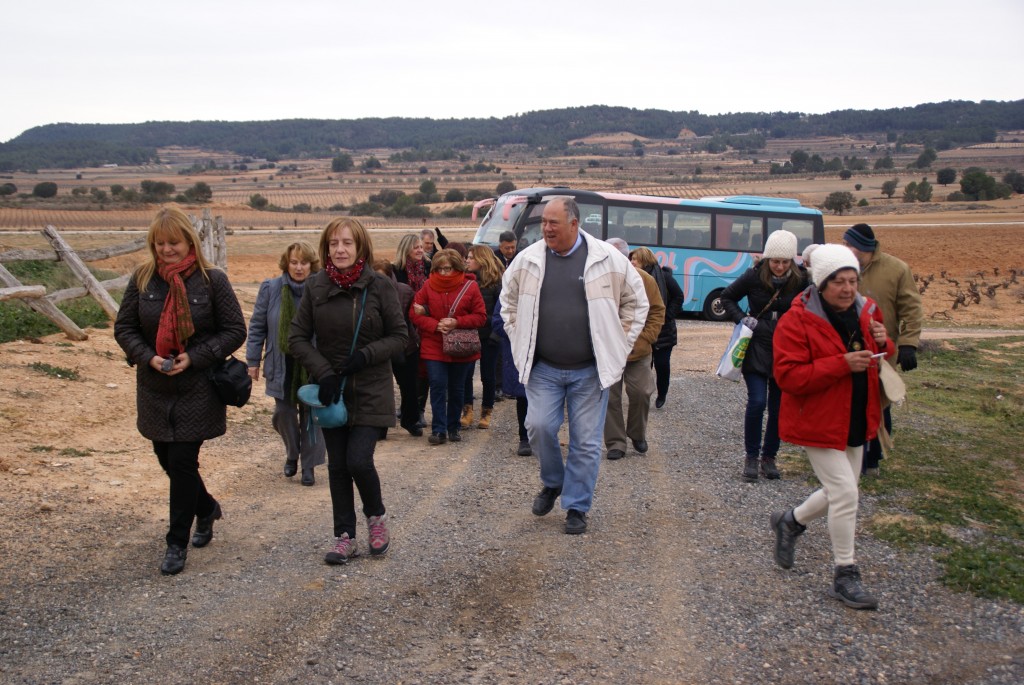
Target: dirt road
(673,584)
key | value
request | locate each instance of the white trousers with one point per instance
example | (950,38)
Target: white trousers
(839,473)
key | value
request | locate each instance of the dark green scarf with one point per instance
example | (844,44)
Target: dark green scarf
(289,291)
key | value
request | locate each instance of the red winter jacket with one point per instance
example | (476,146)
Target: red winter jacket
(470,313)
(814,377)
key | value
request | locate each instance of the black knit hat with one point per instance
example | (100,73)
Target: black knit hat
(861,237)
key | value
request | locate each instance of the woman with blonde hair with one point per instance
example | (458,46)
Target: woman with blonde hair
(672,296)
(179,318)
(411,267)
(448,301)
(276,303)
(352,313)
(482,263)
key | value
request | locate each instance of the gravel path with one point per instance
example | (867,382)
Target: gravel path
(674,583)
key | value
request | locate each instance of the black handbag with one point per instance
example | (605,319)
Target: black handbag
(232,382)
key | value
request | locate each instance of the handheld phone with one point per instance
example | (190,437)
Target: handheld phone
(167,365)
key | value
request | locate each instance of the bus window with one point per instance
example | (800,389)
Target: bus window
(733,232)
(686,229)
(638,226)
(803,229)
(590,219)
(501,217)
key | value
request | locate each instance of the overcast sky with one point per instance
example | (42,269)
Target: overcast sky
(127,62)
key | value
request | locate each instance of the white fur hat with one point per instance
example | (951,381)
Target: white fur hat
(780,245)
(829,259)
(807,252)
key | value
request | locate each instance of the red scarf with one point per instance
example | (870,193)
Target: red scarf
(176,325)
(443,283)
(415,273)
(345,279)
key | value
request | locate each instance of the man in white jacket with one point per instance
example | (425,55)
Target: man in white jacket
(573,306)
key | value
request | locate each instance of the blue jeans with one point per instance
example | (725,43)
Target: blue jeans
(447,380)
(549,393)
(488,367)
(762,392)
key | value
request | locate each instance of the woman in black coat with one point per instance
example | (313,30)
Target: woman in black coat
(348,328)
(769,287)
(179,317)
(672,296)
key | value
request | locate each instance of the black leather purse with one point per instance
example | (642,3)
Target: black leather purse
(231,380)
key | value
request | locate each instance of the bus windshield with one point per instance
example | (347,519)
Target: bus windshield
(502,217)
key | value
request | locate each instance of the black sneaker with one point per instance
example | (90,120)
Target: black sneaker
(847,589)
(545,500)
(204,527)
(575,522)
(174,560)
(455,436)
(787,530)
(616,454)
(438,438)
(640,446)
(524,449)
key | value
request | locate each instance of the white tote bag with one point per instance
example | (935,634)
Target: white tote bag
(732,361)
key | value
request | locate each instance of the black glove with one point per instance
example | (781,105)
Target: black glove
(330,390)
(441,240)
(907,357)
(354,364)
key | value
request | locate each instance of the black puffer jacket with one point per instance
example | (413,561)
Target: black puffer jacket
(672,296)
(330,314)
(750,286)
(184,407)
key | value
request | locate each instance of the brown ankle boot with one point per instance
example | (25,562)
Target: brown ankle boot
(485,417)
(467,416)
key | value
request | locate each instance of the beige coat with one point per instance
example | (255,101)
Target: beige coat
(889,282)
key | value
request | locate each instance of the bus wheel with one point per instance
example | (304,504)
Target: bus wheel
(714,310)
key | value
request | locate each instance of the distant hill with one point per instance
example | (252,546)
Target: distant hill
(941,125)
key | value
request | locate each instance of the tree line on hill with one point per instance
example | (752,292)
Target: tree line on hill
(938,125)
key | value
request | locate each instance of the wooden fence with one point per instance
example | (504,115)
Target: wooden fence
(212,234)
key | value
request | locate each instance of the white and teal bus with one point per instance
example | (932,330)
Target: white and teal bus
(707,243)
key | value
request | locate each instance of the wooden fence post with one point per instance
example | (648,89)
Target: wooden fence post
(24,292)
(212,238)
(46,308)
(78,267)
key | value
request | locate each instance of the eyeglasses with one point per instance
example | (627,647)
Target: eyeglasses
(443,269)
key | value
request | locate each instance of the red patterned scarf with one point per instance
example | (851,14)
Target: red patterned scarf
(415,273)
(176,325)
(345,279)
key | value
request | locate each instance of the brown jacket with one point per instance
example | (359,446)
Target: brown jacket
(655,319)
(329,314)
(889,282)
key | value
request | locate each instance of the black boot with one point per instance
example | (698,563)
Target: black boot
(174,560)
(290,468)
(847,589)
(204,527)
(787,530)
(768,468)
(750,469)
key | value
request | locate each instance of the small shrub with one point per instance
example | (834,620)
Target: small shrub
(54,371)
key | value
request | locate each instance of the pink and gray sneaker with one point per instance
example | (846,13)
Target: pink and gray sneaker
(343,550)
(380,539)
